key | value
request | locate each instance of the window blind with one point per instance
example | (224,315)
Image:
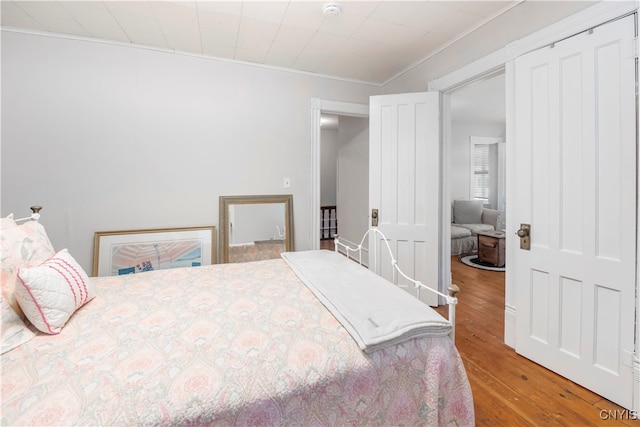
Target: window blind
(481,172)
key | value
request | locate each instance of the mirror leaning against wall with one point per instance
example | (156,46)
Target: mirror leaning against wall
(254,228)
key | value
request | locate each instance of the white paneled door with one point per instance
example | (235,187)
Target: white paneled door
(576,187)
(404,183)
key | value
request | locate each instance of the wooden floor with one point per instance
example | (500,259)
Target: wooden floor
(509,390)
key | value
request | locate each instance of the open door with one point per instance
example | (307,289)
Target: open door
(576,201)
(404,184)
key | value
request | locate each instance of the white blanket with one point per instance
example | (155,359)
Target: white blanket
(374,311)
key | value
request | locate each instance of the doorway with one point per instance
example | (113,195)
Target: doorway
(477,165)
(346,113)
(344,179)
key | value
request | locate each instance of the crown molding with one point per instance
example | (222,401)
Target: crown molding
(183,53)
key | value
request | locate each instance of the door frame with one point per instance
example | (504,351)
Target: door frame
(317,107)
(503,60)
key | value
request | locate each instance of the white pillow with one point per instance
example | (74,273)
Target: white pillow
(21,246)
(14,331)
(53,291)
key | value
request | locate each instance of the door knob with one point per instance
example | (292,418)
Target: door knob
(523,233)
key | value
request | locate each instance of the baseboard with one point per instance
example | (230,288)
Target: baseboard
(510,326)
(636,385)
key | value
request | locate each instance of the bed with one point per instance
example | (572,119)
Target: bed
(232,344)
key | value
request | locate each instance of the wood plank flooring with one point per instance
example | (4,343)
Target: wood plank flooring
(508,389)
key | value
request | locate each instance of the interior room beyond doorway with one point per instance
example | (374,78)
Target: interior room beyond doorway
(477,162)
(344,177)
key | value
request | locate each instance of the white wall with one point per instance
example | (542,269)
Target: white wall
(353,178)
(112,137)
(329,145)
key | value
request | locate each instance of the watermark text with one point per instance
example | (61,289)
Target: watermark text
(619,414)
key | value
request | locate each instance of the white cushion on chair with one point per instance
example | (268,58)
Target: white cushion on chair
(490,216)
(477,228)
(467,211)
(459,232)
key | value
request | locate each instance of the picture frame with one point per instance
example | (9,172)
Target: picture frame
(135,251)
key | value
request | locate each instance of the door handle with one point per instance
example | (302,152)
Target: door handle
(524,234)
(374,217)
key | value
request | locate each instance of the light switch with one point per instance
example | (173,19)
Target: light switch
(286,182)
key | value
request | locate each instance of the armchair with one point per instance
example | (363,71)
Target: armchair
(468,218)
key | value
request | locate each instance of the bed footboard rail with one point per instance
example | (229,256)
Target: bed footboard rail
(450,298)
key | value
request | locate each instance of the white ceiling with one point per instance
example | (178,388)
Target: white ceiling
(284,34)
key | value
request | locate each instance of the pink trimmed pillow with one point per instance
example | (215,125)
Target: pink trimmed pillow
(50,293)
(24,245)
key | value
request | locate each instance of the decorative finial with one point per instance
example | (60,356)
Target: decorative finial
(453,290)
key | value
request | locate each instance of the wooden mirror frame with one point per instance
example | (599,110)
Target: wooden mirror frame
(227,201)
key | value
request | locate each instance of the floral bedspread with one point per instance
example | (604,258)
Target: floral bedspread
(233,344)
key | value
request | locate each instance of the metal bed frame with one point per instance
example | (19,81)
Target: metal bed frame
(451,299)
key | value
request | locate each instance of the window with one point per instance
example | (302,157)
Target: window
(486,171)
(480,179)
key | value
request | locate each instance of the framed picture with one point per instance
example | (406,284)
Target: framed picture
(135,251)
